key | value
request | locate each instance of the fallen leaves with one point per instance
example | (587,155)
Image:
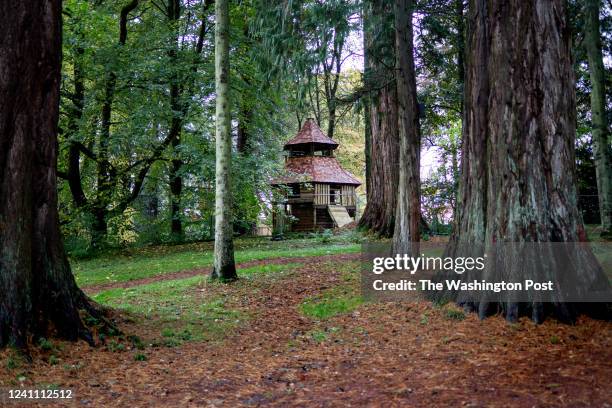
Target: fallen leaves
(383,354)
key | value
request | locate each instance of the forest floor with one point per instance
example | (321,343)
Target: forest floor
(295,331)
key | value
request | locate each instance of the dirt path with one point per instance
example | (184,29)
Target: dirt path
(382,355)
(206,271)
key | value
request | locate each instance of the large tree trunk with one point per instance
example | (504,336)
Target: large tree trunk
(517,181)
(602,144)
(408,213)
(379,214)
(38,293)
(224,265)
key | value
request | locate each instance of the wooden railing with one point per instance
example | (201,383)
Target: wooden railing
(345,199)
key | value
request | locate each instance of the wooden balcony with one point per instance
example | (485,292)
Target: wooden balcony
(346,199)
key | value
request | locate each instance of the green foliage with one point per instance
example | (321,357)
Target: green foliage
(159,54)
(115,346)
(140,357)
(44,344)
(454,314)
(323,237)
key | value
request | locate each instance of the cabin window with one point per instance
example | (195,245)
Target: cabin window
(296,153)
(295,190)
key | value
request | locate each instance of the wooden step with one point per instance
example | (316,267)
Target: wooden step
(340,215)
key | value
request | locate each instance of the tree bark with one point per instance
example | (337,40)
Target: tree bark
(244,123)
(602,143)
(408,213)
(38,293)
(176,124)
(224,265)
(518,181)
(379,214)
(459,15)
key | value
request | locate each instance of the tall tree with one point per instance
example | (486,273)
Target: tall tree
(110,175)
(37,289)
(408,215)
(518,180)
(383,143)
(224,265)
(181,91)
(602,142)
(104,169)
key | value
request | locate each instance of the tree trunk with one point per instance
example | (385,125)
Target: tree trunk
(244,123)
(459,15)
(408,213)
(518,181)
(38,291)
(379,214)
(99,227)
(224,265)
(602,144)
(176,190)
(173,10)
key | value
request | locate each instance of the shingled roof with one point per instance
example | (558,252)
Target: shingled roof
(315,169)
(310,133)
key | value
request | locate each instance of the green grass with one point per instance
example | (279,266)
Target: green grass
(330,305)
(340,299)
(267,269)
(176,309)
(122,267)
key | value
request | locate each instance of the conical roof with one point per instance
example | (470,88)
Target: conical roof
(315,169)
(310,133)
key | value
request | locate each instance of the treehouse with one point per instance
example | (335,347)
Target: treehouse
(317,193)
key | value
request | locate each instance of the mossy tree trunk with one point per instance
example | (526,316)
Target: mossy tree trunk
(224,265)
(517,181)
(38,294)
(408,213)
(602,143)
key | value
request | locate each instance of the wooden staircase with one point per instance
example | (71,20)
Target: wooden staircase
(339,214)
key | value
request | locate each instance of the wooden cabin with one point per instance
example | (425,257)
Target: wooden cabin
(317,193)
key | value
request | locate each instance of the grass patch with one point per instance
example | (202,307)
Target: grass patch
(330,303)
(177,309)
(454,314)
(340,299)
(319,336)
(266,269)
(147,263)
